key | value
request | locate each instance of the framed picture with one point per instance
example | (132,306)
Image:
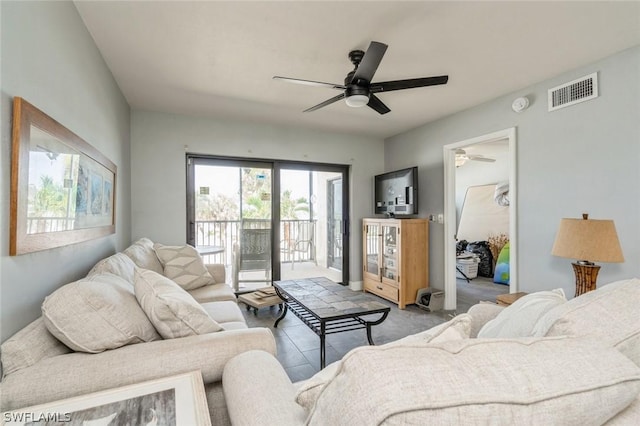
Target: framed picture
(62,188)
(171,401)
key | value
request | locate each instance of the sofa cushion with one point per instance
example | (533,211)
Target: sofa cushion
(213,293)
(455,329)
(119,264)
(519,318)
(97,313)
(183,265)
(609,313)
(144,256)
(170,308)
(28,346)
(224,311)
(558,380)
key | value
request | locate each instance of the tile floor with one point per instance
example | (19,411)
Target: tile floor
(299,347)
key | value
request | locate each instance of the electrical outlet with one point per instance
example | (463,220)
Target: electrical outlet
(441,218)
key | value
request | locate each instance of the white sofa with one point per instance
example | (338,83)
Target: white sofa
(544,360)
(39,368)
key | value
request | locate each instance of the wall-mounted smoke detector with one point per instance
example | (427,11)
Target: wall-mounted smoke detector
(573,92)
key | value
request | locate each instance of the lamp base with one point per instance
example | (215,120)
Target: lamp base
(586,276)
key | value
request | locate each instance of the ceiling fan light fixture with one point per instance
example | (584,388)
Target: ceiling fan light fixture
(460,160)
(357,101)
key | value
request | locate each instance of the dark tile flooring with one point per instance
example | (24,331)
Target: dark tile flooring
(299,348)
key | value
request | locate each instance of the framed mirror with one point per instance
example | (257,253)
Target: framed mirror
(62,188)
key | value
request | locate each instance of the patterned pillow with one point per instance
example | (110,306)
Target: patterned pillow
(173,311)
(183,265)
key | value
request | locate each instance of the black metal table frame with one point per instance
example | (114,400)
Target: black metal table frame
(324,326)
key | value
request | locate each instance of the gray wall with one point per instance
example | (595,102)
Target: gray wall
(159,174)
(49,59)
(583,158)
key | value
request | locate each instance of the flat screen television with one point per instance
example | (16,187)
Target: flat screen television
(396,193)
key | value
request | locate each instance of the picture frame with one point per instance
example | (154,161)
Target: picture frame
(171,401)
(62,188)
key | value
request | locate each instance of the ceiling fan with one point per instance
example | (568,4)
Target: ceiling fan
(358,90)
(462,157)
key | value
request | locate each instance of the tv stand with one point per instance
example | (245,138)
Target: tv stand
(396,258)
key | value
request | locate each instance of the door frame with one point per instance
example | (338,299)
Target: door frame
(191,159)
(450,221)
(314,167)
(331,205)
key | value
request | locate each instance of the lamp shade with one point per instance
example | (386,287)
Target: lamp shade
(588,239)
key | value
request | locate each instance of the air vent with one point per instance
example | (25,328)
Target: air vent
(574,92)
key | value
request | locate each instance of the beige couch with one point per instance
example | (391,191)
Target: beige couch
(39,368)
(543,360)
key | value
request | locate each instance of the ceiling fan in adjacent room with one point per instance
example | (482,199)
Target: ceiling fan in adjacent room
(358,90)
(462,157)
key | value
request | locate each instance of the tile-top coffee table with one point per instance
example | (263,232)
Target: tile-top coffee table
(328,308)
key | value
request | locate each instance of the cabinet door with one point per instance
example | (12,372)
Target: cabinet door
(371,233)
(390,253)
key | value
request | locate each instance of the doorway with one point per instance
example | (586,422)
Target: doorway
(267,219)
(471,150)
(312,221)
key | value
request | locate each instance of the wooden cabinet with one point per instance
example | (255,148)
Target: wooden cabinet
(395,258)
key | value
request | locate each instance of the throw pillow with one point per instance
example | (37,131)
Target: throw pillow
(481,381)
(183,265)
(142,254)
(97,313)
(172,310)
(519,318)
(119,264)
(456,329)
(609,313)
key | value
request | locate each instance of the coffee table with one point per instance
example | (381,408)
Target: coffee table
(328,308)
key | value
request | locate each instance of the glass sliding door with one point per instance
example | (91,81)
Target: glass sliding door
(231,213)
(267,219)
(311,222)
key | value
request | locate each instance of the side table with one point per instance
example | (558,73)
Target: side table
(261,298)
(509,298)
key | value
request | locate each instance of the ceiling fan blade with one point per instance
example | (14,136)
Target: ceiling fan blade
(388,86)
(325,103)
(376,104)
(310,82)
(478,158)
(370,62)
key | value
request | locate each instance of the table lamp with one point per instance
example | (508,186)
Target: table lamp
(588,240)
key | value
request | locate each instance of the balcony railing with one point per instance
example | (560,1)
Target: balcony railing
(225,233)
(36,225)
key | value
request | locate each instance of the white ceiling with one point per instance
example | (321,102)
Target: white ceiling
(217,58)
